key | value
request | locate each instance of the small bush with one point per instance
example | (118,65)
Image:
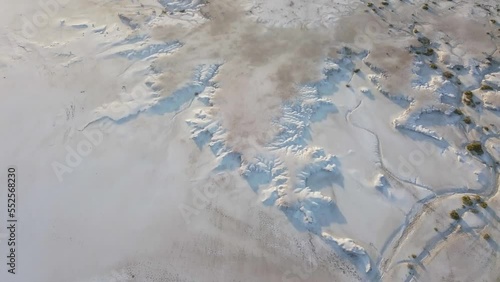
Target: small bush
(454,214)
(436,229)
(458,112)
(486,236)
(424,40)
(483,205)
(429,52)
(433,66)
(468,94)
(474,211)
(356,70)
(467,120)
(447,74)
(467,201)
(475,147)
(414,256)
(485,87)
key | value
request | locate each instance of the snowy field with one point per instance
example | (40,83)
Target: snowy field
(249,140)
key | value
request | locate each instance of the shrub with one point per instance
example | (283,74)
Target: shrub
(467,201)
(474,211)
(483,205)
(424,40)
(458,112)
(468,94)
(454,214)
(485,87)
(486,236)
(467,120)
(447,74)
(475,147)
(414,256)
(433,66)
(429,52)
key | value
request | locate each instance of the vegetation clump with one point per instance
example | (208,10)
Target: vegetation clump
(414,256)
(424,40)
(433,66)
(447,74)
(467,120)
(454,214)
(483,205)
(467,201)
(429,52)
(458,112)
(475,147)
(467,98)
(485,87)
(486,236)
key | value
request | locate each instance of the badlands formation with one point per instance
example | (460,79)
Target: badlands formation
(251,140)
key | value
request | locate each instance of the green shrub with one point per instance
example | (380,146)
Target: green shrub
(467,201)
(429,52)
(454,214)
(475,147)
(483,205)
(433,66)
(485,87)
(486,236)
(467,120)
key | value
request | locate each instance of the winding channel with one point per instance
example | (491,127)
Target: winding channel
(416,211)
